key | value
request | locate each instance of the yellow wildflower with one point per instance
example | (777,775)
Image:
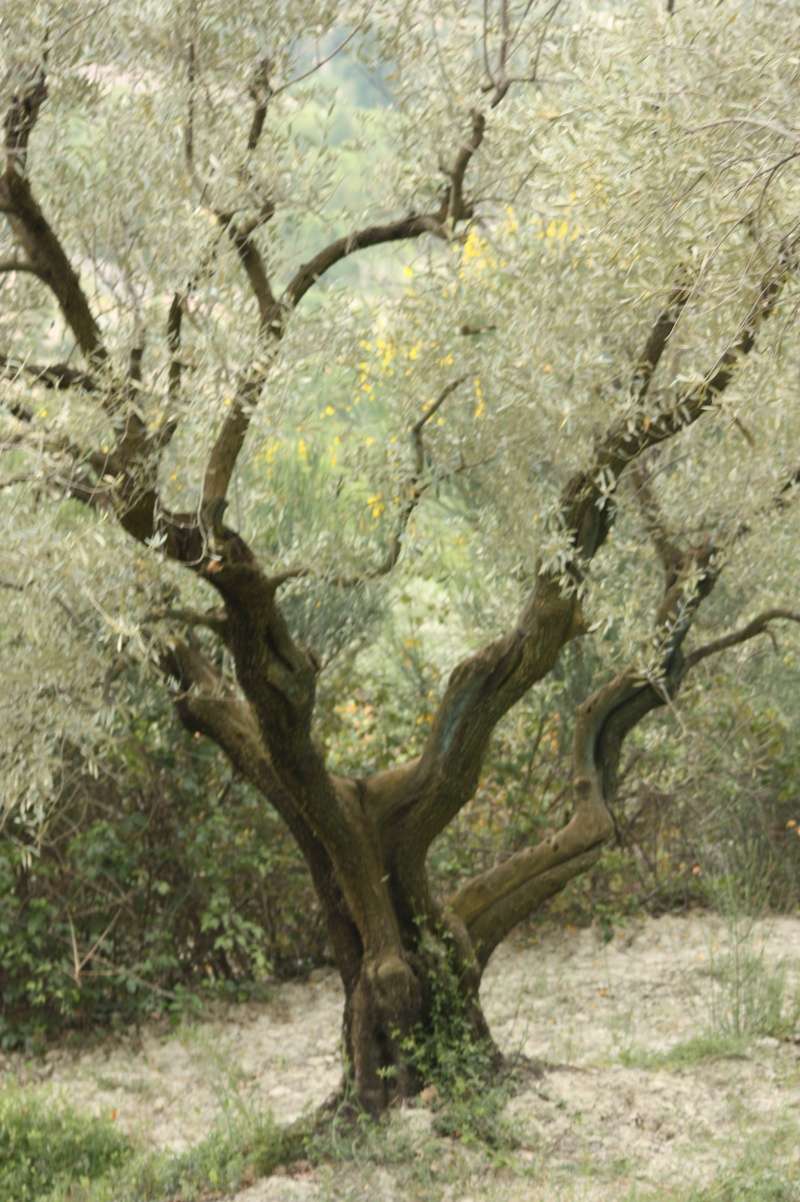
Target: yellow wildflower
(480,403)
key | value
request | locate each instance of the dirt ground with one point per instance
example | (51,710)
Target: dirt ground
(603,1122)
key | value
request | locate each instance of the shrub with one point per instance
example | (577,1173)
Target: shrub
(138,894)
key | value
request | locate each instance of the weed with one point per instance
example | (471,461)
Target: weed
(749,997)
(747,1185)
(233,1155)
(50,1153)
(232,1086)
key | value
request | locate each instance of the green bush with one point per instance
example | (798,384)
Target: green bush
(722,806)
(157,879)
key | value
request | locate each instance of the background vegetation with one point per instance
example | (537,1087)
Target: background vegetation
(162,880)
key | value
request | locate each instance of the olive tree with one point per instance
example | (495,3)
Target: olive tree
(270,355)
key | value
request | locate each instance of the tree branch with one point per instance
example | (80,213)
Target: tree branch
(261,91)
(46,255)
(660,335)
(415,488)
(323,61)
(21,117)
(665,545)
(57,376)
(758,625)
(253,263)
(456,208)
(493,903)
(230,440)
(484,686)
(374,235)
(206,705)
(273,313)
(77,482)
(30,227)
(498,899)
(214,620)
(7,266)
(416,485)
(174,328)
(583,507)
(188,129)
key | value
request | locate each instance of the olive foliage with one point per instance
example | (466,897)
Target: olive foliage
(628,150)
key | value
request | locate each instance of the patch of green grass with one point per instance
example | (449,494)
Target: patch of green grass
(232,1156)
(46,1146)
(51,1153)
(709,1046)
(760,1185)
(742,1183)
(757,1185)
(767,1171)
(353,1136)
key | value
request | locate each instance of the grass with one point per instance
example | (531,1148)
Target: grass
(748,1000)
(46,1147)
(767,1171)
(709,1046)
(751,998)
(748,996)
(51,1153)
(232,1156)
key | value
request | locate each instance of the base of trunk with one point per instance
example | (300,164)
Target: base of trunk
(408,1027)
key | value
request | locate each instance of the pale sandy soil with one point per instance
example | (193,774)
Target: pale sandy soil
(600,1124)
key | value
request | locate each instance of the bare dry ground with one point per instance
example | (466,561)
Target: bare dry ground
(610,1117)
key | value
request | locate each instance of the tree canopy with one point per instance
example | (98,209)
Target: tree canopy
(308,305)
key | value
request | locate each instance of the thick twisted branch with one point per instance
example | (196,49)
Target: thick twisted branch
(493,903)
(485,685)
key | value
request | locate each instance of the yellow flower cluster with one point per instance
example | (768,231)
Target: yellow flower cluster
(556,229)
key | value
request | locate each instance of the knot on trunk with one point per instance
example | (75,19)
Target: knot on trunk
(396,990)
